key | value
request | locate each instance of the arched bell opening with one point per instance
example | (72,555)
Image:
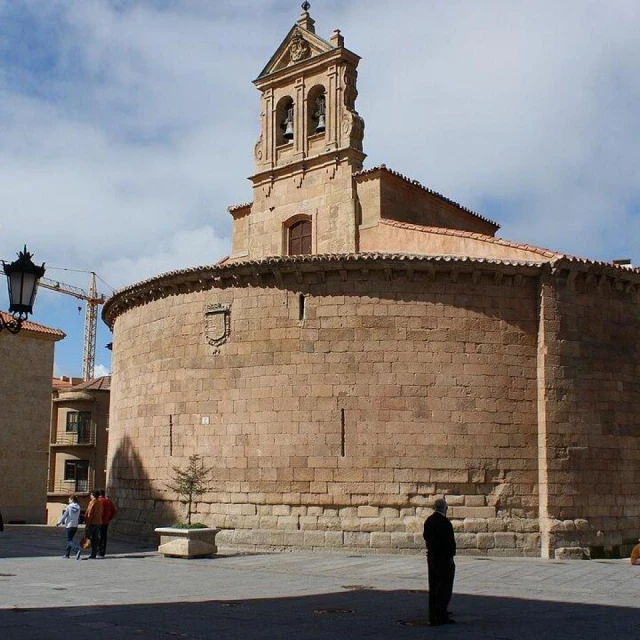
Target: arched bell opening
(316,111)
(284,121)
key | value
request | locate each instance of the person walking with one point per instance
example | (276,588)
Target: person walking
(108,512)
(70,518)
(93,522)
(441,549)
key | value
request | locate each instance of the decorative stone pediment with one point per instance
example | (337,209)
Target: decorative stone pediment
(298,46)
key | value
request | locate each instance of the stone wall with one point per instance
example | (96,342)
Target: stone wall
(385,194)
(592,444)
(390,235)
(26,361)
(342,404)
(328,202)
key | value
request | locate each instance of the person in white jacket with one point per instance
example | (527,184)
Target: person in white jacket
(71,517)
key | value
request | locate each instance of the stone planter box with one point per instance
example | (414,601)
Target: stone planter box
(187,543)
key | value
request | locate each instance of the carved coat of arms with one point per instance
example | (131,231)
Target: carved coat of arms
(217,325)
(299,48)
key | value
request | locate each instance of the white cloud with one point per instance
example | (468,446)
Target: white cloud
(127,126)
(100,370)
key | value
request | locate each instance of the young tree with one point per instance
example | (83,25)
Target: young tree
(190,483)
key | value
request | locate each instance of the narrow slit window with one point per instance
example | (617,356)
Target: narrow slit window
(342,434)
(301,306)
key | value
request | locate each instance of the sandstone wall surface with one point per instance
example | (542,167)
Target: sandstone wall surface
(341,405)
(592,443)
(26,362)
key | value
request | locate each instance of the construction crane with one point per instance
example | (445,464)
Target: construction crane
(93,299)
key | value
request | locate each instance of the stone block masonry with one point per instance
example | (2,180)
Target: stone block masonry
(405,392)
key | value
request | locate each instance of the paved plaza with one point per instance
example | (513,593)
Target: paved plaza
(135,593)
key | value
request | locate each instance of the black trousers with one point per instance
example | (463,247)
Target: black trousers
(441,574)
(93,533)
(102,547)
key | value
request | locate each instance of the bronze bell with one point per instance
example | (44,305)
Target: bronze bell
(321,107)
(288,126)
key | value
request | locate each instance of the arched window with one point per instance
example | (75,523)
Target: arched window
(316,110)
(300,238)
(284,121)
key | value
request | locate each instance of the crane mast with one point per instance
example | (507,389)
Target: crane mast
(90,329)
(92,299)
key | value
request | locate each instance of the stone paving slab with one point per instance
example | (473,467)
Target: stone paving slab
(136,593)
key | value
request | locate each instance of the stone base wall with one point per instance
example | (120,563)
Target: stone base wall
(365,529)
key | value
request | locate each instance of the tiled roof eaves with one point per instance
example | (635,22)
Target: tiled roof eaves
(238,207)
(547,253)
(103,383)
(210,276)
(314,258)
(416,183)
(567,261)
(34,327)
(201,277)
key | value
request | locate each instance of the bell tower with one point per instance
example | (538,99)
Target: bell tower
(309,147)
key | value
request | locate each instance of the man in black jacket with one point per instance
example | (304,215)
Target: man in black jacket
(441,548)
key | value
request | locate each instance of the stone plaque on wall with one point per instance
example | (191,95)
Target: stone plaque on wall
(217,325)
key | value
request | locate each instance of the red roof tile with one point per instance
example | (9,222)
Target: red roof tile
(96,384)
(547,253)
(34,327)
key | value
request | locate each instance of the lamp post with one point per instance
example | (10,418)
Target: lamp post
(22,279)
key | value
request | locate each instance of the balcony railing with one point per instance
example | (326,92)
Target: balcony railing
(71,486)
(84,436)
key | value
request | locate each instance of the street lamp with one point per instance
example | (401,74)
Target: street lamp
(22,279)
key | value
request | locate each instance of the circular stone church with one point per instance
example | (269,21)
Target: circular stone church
(370,345)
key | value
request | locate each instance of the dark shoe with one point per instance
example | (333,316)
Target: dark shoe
(92,558)
(78,554)
(66,555)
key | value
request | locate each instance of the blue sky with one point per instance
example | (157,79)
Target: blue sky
(127,126)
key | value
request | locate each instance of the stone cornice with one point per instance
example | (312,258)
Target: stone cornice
(294,270)
(276,270)
(310,163)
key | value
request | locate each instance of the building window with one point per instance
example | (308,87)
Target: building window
(300,238)
(77,471)
(78,421)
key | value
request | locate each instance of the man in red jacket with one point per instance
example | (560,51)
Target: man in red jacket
(108,512)
(92,522)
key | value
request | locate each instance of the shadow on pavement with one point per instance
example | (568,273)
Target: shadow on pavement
(349,614)
(39,541)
